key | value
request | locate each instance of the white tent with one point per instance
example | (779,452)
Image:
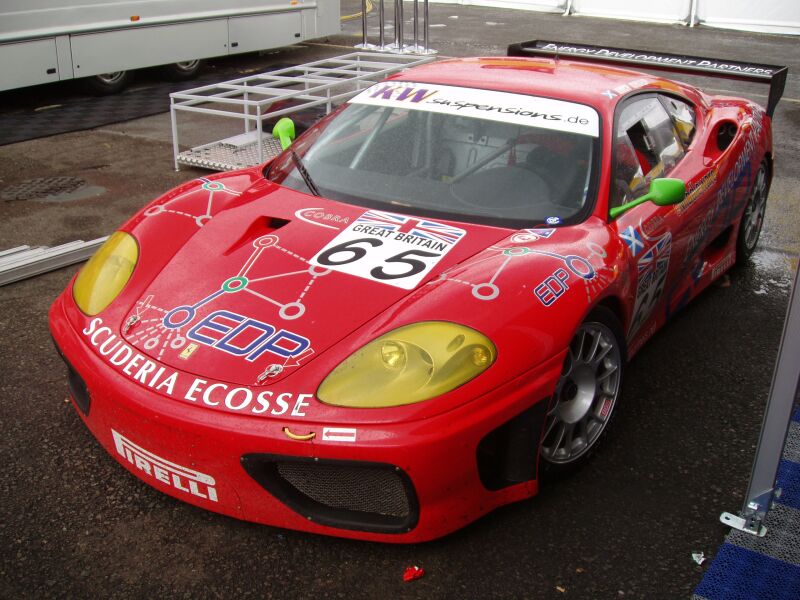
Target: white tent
(768,16)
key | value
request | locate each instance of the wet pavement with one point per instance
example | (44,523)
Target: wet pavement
(74,524)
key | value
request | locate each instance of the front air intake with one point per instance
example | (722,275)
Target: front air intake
(352,495)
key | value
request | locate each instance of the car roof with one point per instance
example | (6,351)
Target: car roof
(597,85)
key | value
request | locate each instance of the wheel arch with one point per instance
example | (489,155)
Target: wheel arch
(770,167)
(615,305)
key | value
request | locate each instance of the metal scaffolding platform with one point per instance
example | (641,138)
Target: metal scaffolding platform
(22,262)
(257,99)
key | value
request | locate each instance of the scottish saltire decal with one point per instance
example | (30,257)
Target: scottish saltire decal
(652,275)
(505,107)
(633,239)
(394,249)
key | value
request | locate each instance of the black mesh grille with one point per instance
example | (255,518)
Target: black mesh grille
(346,494)
(362,489)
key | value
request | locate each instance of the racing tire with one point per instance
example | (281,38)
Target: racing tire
(181,71)
(107,83)
(753,215)
(586,396)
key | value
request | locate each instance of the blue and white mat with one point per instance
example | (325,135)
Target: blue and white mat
(752,568)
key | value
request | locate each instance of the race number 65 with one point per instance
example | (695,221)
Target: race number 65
(356,250)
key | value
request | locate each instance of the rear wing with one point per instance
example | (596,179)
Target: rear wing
(774,75)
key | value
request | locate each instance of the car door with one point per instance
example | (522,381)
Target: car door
(648,145)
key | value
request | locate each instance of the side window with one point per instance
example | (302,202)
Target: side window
(682,114)
(646,146)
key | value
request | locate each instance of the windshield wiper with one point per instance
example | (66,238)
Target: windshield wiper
(301,168)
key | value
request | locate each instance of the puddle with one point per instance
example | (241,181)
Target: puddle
(772,272)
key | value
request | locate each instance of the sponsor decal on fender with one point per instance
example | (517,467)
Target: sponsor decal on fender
(696,189)
(181,478)
(338,434)
(320,218)
(653,225)
(531,235)
(723,265)
(185,387)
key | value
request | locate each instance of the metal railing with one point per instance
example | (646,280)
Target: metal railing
(399,45)
(255,100)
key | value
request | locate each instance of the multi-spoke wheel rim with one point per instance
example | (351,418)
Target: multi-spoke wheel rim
(187,65)
(585,396)
(754,212)
(111,78)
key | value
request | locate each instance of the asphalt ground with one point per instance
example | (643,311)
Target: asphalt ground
(74,524)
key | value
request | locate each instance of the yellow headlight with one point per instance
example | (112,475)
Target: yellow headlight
(410,364)
(103,277)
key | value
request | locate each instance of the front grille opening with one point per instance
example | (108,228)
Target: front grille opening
(359,489)
(345,494)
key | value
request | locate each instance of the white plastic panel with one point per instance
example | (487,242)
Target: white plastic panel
(771,16)
(248,34)
(327,19)
(665,10)
(21,19)
(28,63)
(64,51)
(96,53)
(535,5)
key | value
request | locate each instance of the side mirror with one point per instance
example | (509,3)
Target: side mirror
(284,131)
(663,192)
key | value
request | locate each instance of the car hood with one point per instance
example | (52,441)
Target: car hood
(241,299)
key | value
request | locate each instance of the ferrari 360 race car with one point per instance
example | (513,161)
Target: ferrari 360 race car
(427,301)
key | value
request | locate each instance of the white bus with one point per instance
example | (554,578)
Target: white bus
(103,40)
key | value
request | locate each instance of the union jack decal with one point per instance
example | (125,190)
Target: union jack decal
(382,220)
(429,230)
(652,271)
(656,252)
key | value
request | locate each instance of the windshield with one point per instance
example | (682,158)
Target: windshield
(458,153)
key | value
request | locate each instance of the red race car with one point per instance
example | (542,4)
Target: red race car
(427,301)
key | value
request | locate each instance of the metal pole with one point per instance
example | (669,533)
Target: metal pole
(398,25)
(785,387)
(382,23)
(259,134)
(416,25)
(427,49)
(364,45)
(363,23)
(693,14)
(246,110)
(174,118)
